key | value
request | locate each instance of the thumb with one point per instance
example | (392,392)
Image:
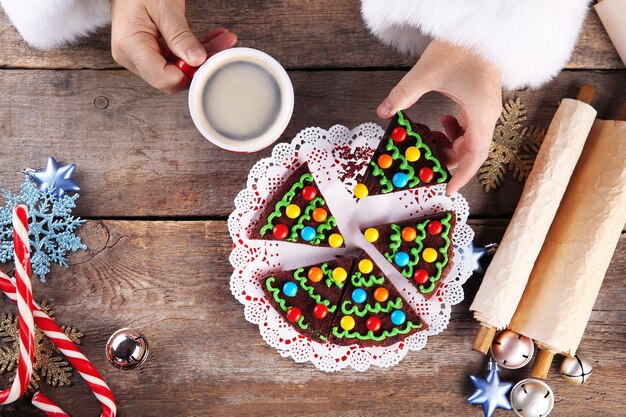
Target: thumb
(179,38)
(403,95)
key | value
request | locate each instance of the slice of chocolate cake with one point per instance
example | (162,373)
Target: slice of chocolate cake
(407,157)
(420,249)
(309,297)
(372,312)
(298,213)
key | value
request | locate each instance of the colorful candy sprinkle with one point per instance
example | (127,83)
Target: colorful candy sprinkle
(400,179)
(401,259)
(308,233)
(421,276)
(398,134)
(290,289)
(398,317)
(309,193)
(435,227)
(335,240)
(409,234)
(320,311)
(294,314)
(359,296)
(373,324)
(280,232)
(426,174)
(361,191)
(339,274)
(366,266)
(319,214)
(371,235)
(347,323)
(315,274)
(292,211)
(412,154)
(385,161)
(381,294)
(429,255)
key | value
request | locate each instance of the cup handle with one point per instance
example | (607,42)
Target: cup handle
(187,69)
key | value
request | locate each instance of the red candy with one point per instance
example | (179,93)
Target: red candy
(398,134)
(280,231)
(421,276)
(294,314)
(434,227)
(426,174)
(309,193)
(373,324)
(320,311)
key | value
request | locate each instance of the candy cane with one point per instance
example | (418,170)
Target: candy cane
(24,300)
(91,376)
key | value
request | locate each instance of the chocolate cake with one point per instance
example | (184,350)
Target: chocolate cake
(372,312)
(309,297)
(407,157)
(420,249)
(298,213)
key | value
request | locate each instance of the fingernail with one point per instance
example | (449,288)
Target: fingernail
(232,42)
(385,108)
(196,54)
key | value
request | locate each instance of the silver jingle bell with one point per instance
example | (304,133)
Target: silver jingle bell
(512,350)
(127,349)
(576,370)
(532,398)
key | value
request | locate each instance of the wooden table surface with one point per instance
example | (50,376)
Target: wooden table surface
(157,196)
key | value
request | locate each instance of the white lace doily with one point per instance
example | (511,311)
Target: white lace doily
(335,158)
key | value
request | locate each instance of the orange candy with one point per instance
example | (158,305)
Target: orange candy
(315,274)
(381,294)
(385,161)
(319,214)
(409,234)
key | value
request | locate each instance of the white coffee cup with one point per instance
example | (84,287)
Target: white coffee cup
(240,99)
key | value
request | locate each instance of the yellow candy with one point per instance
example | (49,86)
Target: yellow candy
(361,191)
(292,211)
(371,235)
(366,266)
(412,154)
(347,323)
(429,255)
(335,240)
(339,274)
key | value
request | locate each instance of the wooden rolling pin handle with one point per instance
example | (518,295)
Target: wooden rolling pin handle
(622,115)
(483,340)
(542,364)
(586,93)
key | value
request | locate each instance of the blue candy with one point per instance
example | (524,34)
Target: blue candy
(401,259)
(398,317)
(400,179)
(308,233)
(359,296)
(290,289)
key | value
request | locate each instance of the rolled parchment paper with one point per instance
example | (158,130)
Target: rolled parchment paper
(567,276)
(510,268)
(613,16)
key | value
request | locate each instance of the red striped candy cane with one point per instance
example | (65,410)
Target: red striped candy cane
(47,406)
(24,300)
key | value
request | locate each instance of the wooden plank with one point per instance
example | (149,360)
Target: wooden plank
(138,153)
(170,280)
(302,34)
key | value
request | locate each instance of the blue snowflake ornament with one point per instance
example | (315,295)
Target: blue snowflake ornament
(51,226)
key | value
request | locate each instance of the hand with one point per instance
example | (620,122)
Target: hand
(474,84)
(148,36)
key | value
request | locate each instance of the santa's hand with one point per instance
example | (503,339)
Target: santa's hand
(148,36)
(474,84)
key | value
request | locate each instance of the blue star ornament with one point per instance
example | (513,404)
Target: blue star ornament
(56,177)
(490,392)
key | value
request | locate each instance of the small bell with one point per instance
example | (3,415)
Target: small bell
(512,350)
(127,349)
(576,370)
(532,398)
